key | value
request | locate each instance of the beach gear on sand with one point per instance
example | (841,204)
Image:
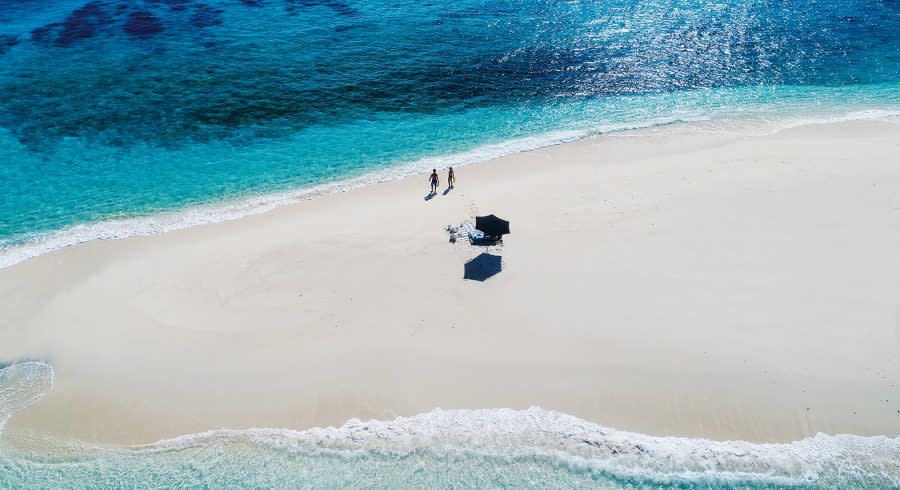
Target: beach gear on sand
(468,230)
(475,236)
(486,230)
(492,226)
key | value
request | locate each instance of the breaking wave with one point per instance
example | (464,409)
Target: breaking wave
(445,448)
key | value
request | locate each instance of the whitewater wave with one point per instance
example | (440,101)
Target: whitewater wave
(560,439)
(21,385)
(502,445)
(162,222)
(441,448)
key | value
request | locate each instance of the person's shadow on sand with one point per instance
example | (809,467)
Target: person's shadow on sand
(446,191)
(430,196)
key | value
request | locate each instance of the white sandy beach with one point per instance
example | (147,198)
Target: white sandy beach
(665,281)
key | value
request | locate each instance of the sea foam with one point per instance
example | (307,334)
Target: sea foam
(113,229)
(578,445)
(460,448)
(129,117)
(21,385)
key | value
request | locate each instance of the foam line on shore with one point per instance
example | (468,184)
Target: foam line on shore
(115,229)
(21,385)
(581,445)
(502,437)
(491,438)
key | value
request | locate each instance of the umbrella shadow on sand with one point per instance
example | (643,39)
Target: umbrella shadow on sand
(482,267)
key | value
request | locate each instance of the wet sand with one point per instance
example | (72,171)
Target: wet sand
(668,281)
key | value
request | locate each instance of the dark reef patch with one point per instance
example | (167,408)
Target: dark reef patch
(206,16)
(45,35)
(199,87)
(83,23)
(7,42)
(141,23)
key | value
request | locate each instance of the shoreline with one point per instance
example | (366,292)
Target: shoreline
(352,305)
(495,439)
(167,221)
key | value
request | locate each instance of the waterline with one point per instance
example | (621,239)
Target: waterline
(755,120)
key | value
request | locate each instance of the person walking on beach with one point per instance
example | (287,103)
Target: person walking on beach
(434,181)
(451,178)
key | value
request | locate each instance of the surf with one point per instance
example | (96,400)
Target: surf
(772,110)
(438,448)
(125,118)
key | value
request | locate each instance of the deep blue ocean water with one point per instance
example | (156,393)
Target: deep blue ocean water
(116,114)
(123,117)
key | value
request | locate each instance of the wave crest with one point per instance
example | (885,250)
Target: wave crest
(580,446)
(467,448)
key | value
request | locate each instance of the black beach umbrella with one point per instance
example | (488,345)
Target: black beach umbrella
(483,267)
(492,225)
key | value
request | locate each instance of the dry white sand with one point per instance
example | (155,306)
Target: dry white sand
(665,281)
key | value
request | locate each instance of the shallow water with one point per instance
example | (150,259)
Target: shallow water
(125,117)
(118,113)
(452,448)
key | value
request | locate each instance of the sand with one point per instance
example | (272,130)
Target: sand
(669,281)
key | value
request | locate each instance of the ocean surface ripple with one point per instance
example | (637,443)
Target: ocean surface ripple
(126,117)
(117,110)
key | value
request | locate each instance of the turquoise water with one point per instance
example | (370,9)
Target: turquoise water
(440,449)
(129,117)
